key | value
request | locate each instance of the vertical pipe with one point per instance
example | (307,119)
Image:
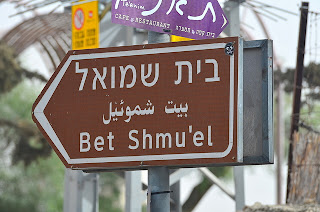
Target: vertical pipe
(158,182)
(133,191)
(80,185)
(238,175)
(96,192)
(129,36)
(133,178)
(280,140)
(232,11)
(297,84)
(156,37)
(158,177)
(175,196)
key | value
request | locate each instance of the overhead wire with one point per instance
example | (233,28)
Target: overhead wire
(252,7)
(35,6)
(247,25)
(273,7)
(24,4)
(267,11)
(54,9)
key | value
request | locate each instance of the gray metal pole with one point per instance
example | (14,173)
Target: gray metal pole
(280,141)
(158,177)
(156,37)
(238,175)
(70,191)
(133,178)
(81,191)
(175,196)
(80,185)
(129,36)
(158,183)
(96,192)
(232,11)
(133,191)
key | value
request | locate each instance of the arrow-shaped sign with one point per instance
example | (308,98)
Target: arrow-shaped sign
(132,107)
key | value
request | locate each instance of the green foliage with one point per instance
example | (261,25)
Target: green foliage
(17,125)
(110,192)
(311,116)
(35,188)
(310,110)
(223,172)
(311,80)
(11,72)
(16,105)
(31,175)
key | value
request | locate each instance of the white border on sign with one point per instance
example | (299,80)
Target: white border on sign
(40,116)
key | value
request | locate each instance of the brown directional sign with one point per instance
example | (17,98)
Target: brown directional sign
(172,104)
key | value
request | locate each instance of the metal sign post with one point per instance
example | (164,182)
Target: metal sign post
(158,177)
(232,9)
(81,191)
(158,182)
(85,35)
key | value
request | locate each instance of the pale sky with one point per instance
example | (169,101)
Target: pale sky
(283,33)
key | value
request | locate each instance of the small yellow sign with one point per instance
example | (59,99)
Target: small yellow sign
(85,25)
(175,38)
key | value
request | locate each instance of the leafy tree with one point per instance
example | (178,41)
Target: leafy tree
(311,80)
(33,188)
(11,73)
(28,182)
(17,126)
(109,195)
(309,112)
(31,175)
(200,190)
(15,106)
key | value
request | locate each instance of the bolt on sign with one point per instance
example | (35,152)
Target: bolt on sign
(201,19)
(85,25)
(172,104)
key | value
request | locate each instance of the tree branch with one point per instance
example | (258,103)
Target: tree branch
(7,123)
(25,150)
(31,74)
(22,126)
(197,193)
